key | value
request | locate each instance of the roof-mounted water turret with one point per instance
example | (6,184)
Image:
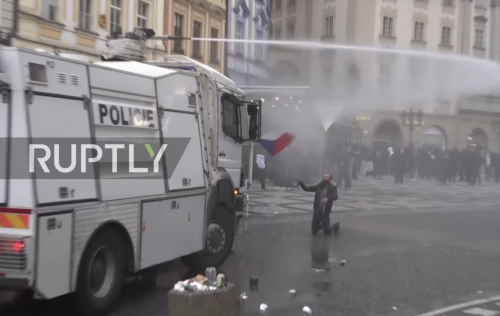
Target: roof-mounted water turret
(130,46)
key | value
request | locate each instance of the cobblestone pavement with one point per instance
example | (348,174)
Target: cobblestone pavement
(397,264)
(368,194)
(435,247)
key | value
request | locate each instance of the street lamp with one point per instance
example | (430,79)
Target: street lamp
(412,120)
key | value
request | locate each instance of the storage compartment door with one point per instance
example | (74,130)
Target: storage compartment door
(173,228)
(54,254)
(184,164)
(4,125)
(65,122)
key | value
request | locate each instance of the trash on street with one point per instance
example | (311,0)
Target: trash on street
(306,310)
(263,307)
(199,283)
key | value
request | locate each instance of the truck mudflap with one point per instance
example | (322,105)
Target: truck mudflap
(14,264)
(241,210)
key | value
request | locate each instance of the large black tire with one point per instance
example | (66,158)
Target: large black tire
(199,261)
(103,256)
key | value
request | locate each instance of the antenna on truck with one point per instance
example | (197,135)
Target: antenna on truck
(130,46)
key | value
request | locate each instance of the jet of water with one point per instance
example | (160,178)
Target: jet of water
(410,76)
(372,78)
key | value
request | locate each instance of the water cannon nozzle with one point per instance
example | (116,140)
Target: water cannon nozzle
(168,37)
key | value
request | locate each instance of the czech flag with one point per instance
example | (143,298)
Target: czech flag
(274,142)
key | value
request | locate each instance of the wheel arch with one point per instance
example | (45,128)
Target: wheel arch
(222,194)
(124,235)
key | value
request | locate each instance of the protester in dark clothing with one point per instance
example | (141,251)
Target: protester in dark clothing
(344,164)
(400,165)
(410,160)
(477,163)
(455,164)
(356,165)
(325,194)
(378,164)
(260,173)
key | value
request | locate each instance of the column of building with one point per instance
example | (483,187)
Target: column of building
(494,51)
(465,31)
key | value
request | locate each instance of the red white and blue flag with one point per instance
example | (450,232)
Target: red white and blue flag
(276,141)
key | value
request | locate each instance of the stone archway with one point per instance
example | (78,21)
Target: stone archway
(477,138)
(434,137)
(388,134)
(285,73)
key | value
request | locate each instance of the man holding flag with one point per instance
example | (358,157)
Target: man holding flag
(325,194)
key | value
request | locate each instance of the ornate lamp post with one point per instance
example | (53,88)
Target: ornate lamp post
(412,120)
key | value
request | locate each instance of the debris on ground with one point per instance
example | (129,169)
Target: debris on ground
(306,310)
(263,307)
(200,283)
(343,262)
(221,280)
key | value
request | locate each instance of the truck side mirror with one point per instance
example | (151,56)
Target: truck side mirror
(253,126)
(254,112)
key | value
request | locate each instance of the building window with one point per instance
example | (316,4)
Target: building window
(419,31)
(142,14)
(49,10)
(291,30)
(214,46)
(277,5)
(259,48)
(446,35)
(387,26)
(178,31)
(448,3)
(479,38)
(328,26)
(239,34)
(197,31)
(116,16)
(84,15)
(277,33)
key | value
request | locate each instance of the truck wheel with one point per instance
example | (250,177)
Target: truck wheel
(100,276)
(218,242)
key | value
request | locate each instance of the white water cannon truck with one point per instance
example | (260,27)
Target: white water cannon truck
(84,232)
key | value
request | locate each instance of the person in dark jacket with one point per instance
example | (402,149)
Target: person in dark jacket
(325,194)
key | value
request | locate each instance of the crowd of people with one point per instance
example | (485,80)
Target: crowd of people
(445,166)
(346,163)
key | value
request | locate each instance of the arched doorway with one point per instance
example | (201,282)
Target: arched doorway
(434,137)
(285,73)
(387,134)
(477,138)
